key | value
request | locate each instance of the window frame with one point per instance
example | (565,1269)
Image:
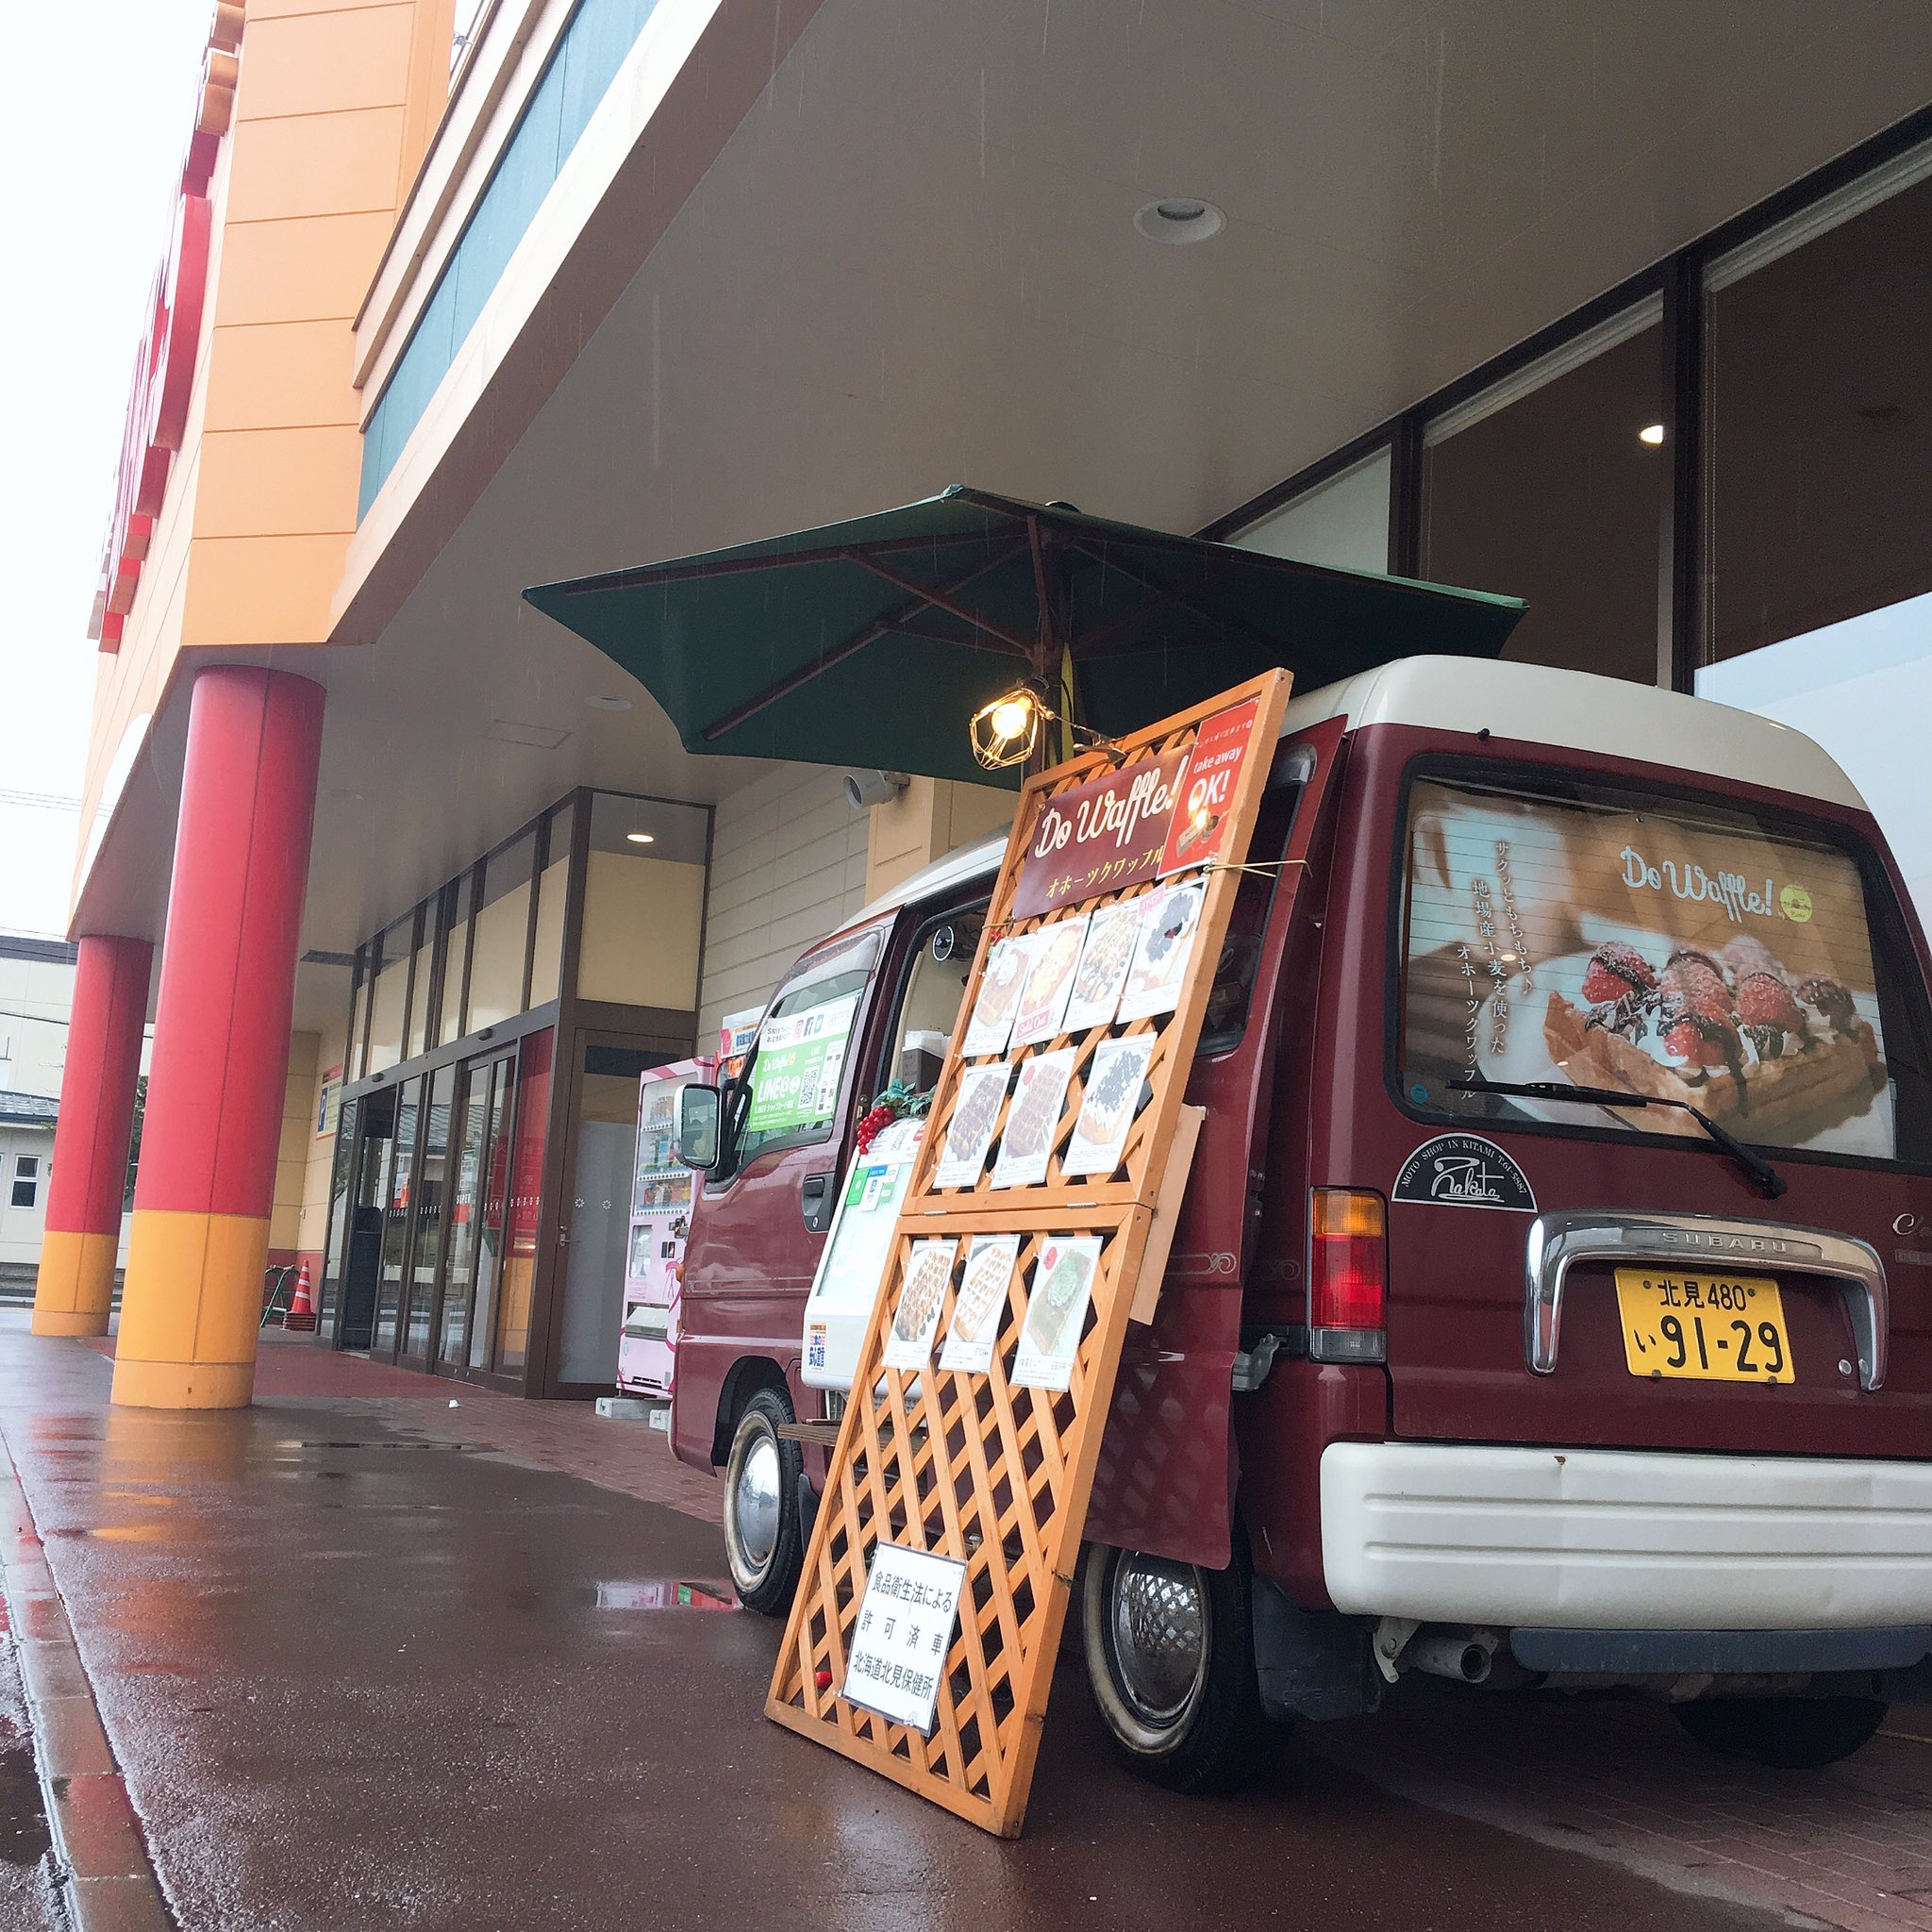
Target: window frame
(1684,484)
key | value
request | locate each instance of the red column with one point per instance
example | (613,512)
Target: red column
(76,1284)
(216,1078)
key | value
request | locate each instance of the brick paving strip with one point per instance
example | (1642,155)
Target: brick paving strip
(102,1865)
(1848,1847)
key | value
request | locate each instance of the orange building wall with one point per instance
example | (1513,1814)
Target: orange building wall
(334,108)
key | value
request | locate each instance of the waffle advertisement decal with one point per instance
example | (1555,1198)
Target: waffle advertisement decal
(986,1375)
(1681,952)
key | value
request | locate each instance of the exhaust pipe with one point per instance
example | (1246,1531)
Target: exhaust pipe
(1466,1656)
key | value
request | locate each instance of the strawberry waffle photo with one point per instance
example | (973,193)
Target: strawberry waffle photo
(1731,1033)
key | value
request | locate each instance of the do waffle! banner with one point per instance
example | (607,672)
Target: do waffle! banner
(1676,953)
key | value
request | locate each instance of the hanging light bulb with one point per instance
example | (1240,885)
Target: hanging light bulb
(1006,731)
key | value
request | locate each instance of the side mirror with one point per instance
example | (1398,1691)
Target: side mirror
(699,1116)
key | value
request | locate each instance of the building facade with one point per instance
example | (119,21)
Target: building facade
(1626,321)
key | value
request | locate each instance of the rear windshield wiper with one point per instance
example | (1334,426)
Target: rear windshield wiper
(1770,1183)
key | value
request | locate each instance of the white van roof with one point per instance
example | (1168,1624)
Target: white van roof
(1531,702)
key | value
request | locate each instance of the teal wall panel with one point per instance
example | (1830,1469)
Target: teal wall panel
(576,79)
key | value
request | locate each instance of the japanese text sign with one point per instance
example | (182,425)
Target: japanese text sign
(1100,837)
(905,1629)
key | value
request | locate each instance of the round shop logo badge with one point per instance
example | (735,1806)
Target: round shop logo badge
(1796,903)
(1464,1170)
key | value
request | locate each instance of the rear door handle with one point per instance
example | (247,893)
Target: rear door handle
(815,1199)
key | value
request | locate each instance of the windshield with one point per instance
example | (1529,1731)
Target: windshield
(799,1060)
(1718,956)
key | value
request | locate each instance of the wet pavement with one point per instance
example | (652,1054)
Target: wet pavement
(27,1893)
(358,1677)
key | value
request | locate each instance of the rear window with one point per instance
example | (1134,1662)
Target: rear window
(1749,963)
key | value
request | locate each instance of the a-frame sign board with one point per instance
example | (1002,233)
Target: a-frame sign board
(986,1465)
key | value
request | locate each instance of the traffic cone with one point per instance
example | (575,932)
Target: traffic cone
(301,1309)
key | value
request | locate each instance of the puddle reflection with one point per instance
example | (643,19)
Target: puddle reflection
(657,1594)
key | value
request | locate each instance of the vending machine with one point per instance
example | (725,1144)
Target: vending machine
(659,1220)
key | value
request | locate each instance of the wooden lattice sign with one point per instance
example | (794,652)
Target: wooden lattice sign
(983,1383)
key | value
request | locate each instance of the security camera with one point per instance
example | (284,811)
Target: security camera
(873,788)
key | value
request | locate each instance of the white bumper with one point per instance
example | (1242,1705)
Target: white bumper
(1604,1538)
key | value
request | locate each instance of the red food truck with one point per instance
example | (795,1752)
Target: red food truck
(1551,1303)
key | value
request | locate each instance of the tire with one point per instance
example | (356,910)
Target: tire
(1787,1733)
(1186,1711)
(763,1543)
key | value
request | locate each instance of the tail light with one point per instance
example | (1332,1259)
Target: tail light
(1348,1276)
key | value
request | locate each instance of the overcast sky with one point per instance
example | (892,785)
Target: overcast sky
(92,134)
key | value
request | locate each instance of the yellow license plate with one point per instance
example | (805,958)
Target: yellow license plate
(1703,1327)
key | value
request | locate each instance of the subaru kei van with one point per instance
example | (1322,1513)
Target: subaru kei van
(1551,1300)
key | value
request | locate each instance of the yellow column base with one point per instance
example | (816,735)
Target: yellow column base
(74,1287)
(191,1311)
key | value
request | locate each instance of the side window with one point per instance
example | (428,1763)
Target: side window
(790,1091)
(26,1179)
(930,997)
(1240,951)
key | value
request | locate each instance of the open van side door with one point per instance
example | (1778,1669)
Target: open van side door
(1166,1476)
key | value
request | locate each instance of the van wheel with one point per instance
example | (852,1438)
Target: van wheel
(1788,1732)
(762,1475)
(1170,1661)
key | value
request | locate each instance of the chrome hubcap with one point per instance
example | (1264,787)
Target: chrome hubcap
(754,1502)
(1159,1635)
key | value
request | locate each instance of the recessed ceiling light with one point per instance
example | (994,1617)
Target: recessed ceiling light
(604,704)
(1179,218)
(641,837)
(509,731)
(1652,433)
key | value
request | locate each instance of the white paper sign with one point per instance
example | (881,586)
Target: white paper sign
(1033,1119)
(1056,1311)
(837,1311)
(975,1330)
(1114,1079)
(1049,981)
(1006,967)
(1160,956)
(969,1133)
(1112,935)
(905,1622)
(921,1295)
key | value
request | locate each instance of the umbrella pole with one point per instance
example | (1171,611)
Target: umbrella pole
(1053,645)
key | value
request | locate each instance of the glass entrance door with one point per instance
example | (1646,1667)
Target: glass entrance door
(375,1129)
(473,1239)
(429,1215)
(395,1218)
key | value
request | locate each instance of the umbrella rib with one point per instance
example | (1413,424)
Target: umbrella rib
(939,597)
(878,628)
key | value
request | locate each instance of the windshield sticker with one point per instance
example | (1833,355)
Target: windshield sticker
(794,1082)
(1464,1170)
(1678,953)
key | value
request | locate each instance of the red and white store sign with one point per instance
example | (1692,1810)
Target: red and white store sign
(1199,825)
(164,369)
